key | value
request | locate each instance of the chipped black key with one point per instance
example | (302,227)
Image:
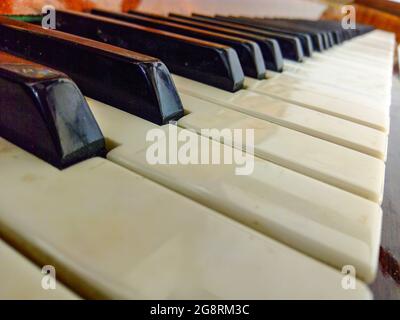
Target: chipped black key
(132,82)
(43,112)
(207,62)
(249,53)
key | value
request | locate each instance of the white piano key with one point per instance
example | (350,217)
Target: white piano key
(341,94)
(358,83)
(278,202)
(315,101)
(322,160)
(297,72)
(319,159)
(20,279)
(311,122)
(114,234)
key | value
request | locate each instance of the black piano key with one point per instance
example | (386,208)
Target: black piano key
(132,82)
(269,47)
(289,47)
(331,39)
(269,43)
(43,112)
(249,53)
(207,62)
(312,29)
(315,37)
(304,39)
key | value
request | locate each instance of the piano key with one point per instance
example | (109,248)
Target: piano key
(323,89)
(304,39)
(359,188)
(329,105)
(291,46)
(249,53)
(21,279)
(204,61)
(316,37)
(376,89)
(310,156)
(86,25)
(151,15)
(306,208)
(43,112)
(311,122)
(201,114)
(141,85)
(82,222)
(329,163)
(333,28)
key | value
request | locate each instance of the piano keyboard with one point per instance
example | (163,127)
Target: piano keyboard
(79,194)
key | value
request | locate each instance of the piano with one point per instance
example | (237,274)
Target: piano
(79,193)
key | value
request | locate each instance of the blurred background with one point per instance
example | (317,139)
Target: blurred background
(384,14)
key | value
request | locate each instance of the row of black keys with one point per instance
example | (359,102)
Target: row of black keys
(135,83)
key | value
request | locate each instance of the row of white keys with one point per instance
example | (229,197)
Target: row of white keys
(311,122)
(354,71)
(21,279)
(368,117)
(342,95)
(111,233)
(333,164)
(376,44)
(325,103)
(359,83)
(285,83)
(322,221)
(348,61)
(319,78)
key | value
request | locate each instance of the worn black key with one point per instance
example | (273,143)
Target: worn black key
(207,62)
(315,37)
(269,47)
(249,53)
(43,112)
(305,44)
(132,82)
(289,46)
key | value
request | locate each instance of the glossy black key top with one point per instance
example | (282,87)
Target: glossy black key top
(203,61)
(333,34)
(289,46)
(304,39)
(132,82)
(269,44)
(317,38)
(249,53)
(43,112)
